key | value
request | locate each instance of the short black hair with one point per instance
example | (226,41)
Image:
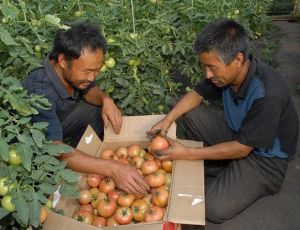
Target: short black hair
(226,37)
(73,41)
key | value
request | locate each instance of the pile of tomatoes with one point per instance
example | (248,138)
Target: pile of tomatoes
(102,204)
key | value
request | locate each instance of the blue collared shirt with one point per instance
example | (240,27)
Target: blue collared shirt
(45,81)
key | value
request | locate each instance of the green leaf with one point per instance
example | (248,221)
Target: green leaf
(19,105)
(37,174)
(24,120)
(127,100)
(25,138)
(40,125)
(42,158)
(35,208)
(38,137)
(22,209)
(3,213)
(9,10)
(6,38)
(57,149)
(4,149)
(69,191)
(26,155)
(47,188)
(69,175)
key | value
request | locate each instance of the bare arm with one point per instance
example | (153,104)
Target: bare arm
(226,150)
(126,177)
(185,104)
(110,112)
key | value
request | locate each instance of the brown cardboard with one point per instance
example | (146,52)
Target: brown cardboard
(186,201)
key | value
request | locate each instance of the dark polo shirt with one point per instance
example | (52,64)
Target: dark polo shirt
(262,113)
(44,81)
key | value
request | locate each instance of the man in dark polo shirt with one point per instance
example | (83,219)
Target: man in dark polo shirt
(247,146)
(67,80)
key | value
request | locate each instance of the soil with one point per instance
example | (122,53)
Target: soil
(280,211)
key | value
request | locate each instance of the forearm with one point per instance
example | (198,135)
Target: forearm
(96,97)
(83,163)
(227,150)
(185,104)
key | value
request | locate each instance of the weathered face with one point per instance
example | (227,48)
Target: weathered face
(218,72)
(81,72)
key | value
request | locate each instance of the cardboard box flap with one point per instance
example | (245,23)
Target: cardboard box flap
(134,128)
(187,204)
(89,142)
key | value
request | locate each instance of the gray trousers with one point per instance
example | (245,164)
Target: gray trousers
(75,121)
(231,185)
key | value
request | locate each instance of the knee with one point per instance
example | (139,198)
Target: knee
(215,213)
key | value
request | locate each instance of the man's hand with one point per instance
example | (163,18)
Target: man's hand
(163,126)
(176,151)
(129,179)
(112,114)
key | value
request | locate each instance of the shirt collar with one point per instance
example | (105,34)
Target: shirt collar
(57,84)
(241,94)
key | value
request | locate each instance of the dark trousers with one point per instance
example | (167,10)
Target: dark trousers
(230,185)
(75,121)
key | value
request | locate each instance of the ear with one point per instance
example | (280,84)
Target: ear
(239,59)
(62,62)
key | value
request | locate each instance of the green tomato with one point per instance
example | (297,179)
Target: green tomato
(14,157)
(153,1)
(7,204)
(35,22)
(49,204)
(103,68)
(78,13)
(131,62)
(4,20)
(160,108)
(38,48)
(110,41)
(133,35)
(110,63)
(236,12)
(3,186)
(188,89)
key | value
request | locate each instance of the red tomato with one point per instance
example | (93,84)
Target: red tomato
(158,162)
(111,221)
(93,180)
(99,221)
(107,154)
(167,165)
(137,162)
(106,207)
(86,207)
(149,156)
(149,167)
(134,150)
(122,152)
(113,195)
(43,214)
(97,197)
(139,208)
(155,180)
(154,213)
(106,185)
(158,143)
(125,200)
(84,217)
(168,177)
(160,197)
(123,215)
(85,196)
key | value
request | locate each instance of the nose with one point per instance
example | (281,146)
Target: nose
(208,73)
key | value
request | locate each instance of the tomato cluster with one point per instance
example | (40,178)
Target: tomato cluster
(102,204)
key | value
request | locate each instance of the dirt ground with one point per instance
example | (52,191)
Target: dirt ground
(282,210)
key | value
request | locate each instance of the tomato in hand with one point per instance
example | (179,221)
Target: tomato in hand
(158,143)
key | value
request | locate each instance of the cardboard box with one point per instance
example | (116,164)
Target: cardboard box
(186,201)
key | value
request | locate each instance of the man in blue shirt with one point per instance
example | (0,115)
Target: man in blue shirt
(67,80)
(247,146)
